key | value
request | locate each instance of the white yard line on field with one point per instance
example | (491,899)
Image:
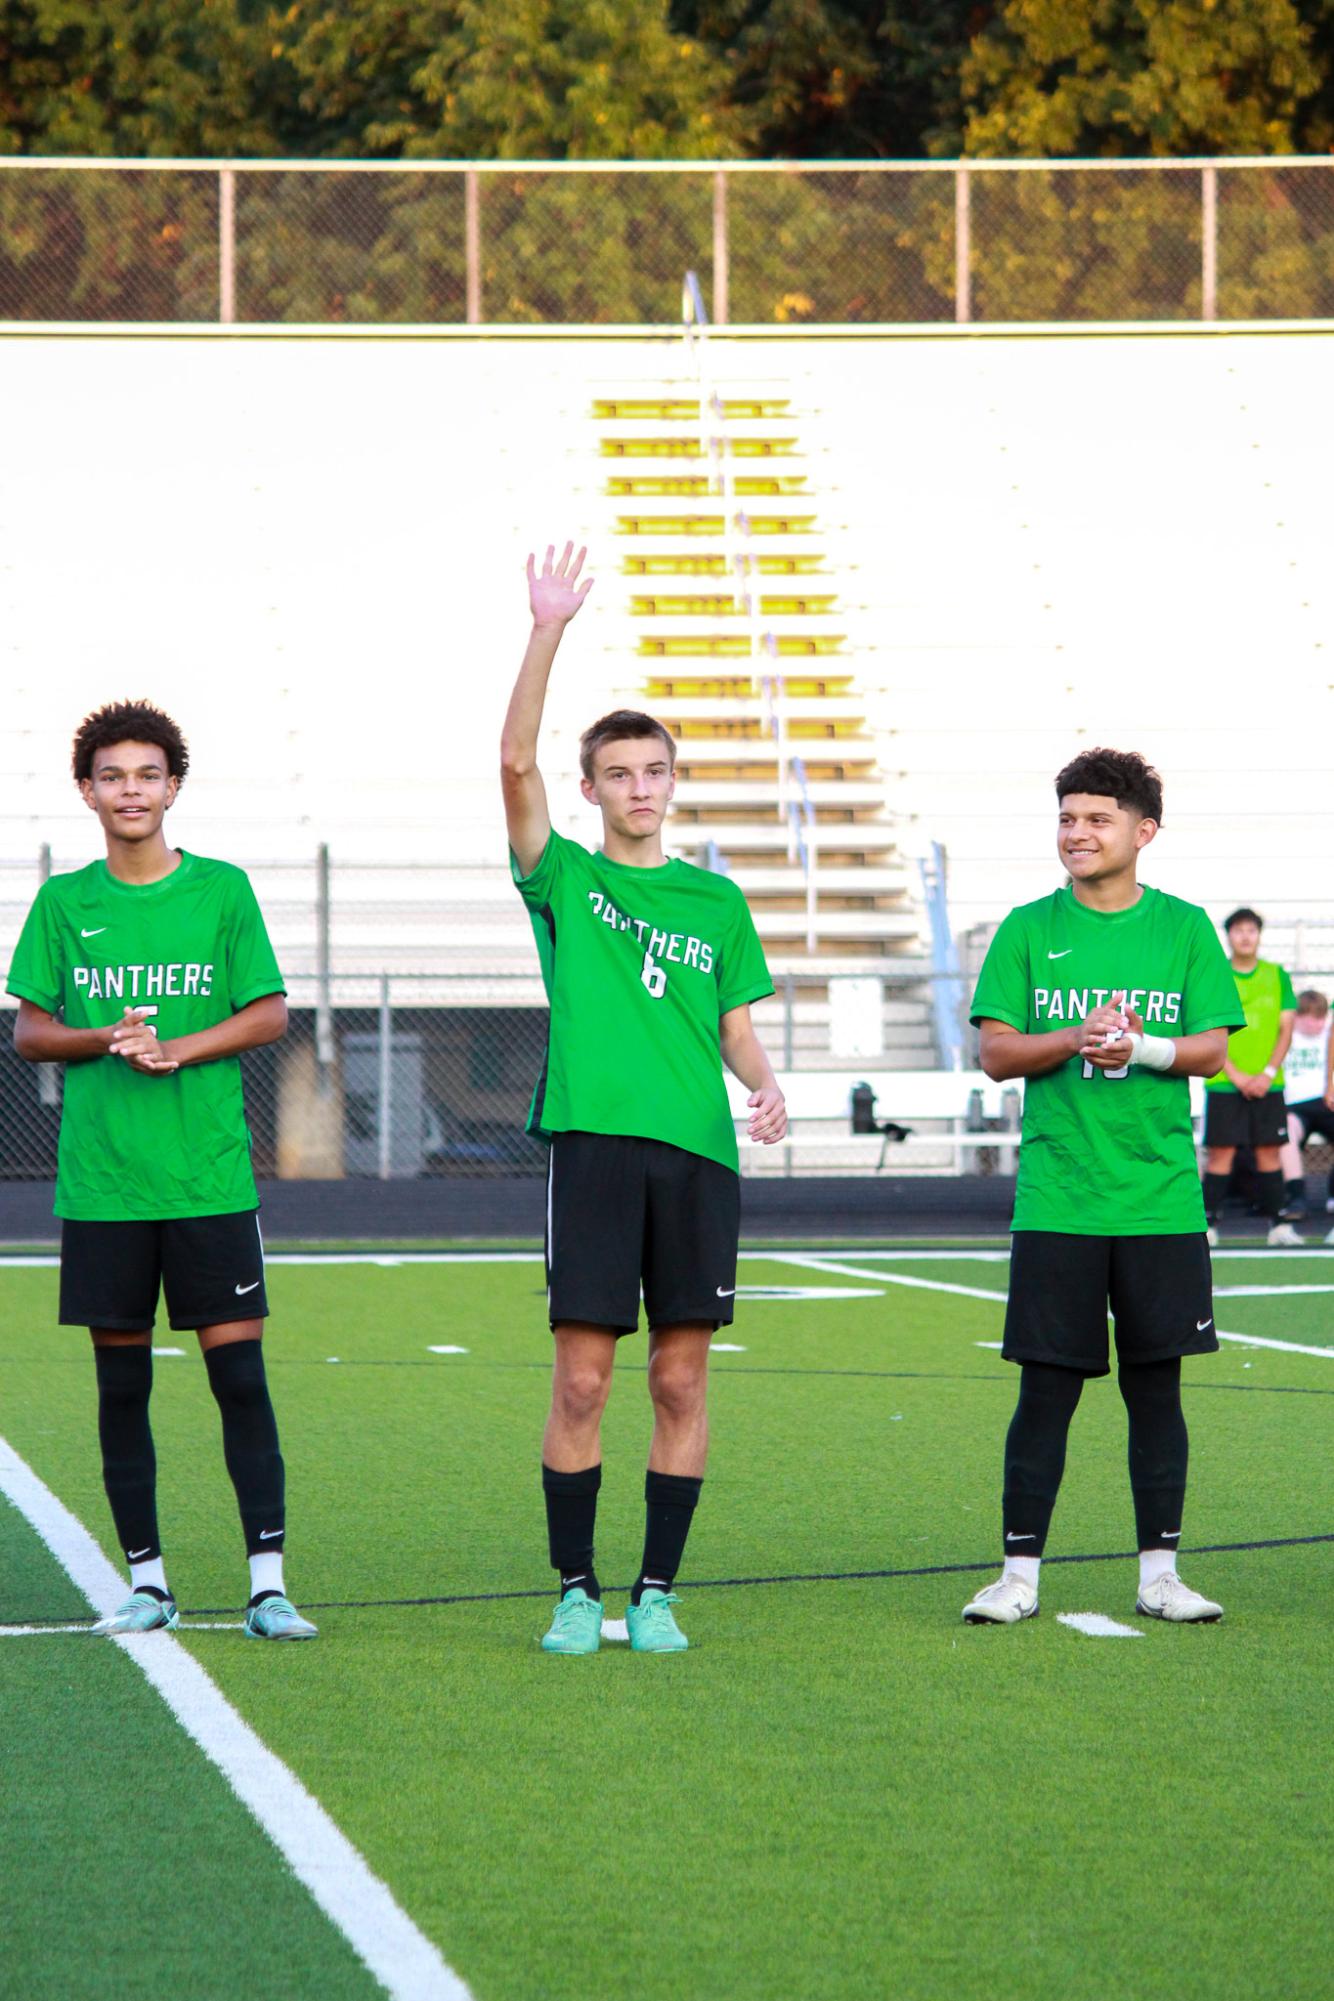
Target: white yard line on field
(383,1936)
(810,1263)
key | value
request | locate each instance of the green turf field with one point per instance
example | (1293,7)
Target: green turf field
(839,1791)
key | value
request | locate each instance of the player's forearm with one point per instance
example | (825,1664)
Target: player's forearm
(1198,1055)
(1278,1053)
(264,1021)
(1006,1053)
(743,1053)
(523,718)
(40,1038)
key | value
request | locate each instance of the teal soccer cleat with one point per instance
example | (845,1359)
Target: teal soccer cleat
(141,1613)
(277,1619)
(576,1625)
(652,1628)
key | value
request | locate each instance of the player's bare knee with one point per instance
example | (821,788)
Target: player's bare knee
(678,1384)
(580,1392)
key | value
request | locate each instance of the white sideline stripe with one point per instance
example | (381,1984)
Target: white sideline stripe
(48,1261)
(1099,1625)
(186,1626)
(382,1935)
(1285,1347)
(1265,1291)
(809,1263)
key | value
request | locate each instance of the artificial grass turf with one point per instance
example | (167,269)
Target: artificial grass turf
(127,1865)
(840,1790)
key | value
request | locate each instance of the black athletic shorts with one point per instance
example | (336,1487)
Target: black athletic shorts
(625,1213)
(1231,1120)
(1159,1290)
(1317,1118)
(211,1269)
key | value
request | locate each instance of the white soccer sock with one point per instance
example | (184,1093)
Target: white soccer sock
(266,1572)
(151,1572)
(1025,1568)
(1153,1564)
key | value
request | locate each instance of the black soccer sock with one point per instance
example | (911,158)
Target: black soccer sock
(1035,1454)
(1294,1191)
(1269,1192)
(1159,1450)
(670,1500)
(572,1509)
(129,1463)
(1215,1188)
(250,1441)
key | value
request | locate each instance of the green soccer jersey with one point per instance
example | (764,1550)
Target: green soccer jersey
(1265,992)
(638,964)
(1107,1152)
(193,950)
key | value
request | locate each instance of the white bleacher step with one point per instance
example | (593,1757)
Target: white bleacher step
(766,836)
(836,923)
(829,881)
(703,750)
(740,792)
(753,708)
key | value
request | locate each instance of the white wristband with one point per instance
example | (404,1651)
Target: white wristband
(1153,1052)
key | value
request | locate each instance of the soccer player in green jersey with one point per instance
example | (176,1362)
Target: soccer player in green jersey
(146,975)
(1105,996)
(1246,1104)
(650,967)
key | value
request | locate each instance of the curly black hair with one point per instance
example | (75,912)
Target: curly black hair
(129,722)
(1122,775)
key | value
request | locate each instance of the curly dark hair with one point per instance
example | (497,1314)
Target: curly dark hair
(1122,775)
(620,724)
(129,722)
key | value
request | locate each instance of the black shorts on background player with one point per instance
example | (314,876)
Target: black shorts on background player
(1061,1286)
(210,1268)
(1233,1120)
(620,1210)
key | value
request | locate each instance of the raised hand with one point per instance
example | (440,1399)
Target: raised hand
(552,593)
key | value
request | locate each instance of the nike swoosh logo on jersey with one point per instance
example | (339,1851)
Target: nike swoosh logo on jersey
(726,1291)
(96,932)
(1061,955)
(248,1288)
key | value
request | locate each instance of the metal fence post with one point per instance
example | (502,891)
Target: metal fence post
(384,1109)
(720,256)
(1209,243)
(48,1074)
(324,1035)
(472,246)
(963,246)
(226,245)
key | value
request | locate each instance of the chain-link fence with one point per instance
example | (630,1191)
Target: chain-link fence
(569,244)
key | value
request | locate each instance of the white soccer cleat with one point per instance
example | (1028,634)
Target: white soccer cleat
(1169,1598)
(1003,1603)
(1284,1238)
(1330,1238)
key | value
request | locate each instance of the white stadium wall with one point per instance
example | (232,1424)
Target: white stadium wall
(310,549)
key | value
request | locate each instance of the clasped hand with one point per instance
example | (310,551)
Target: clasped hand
(134,1040)
(1114,1021)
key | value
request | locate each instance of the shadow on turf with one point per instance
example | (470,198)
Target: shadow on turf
(720,1583)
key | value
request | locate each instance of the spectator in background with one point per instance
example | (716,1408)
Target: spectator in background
(1244,1103)
(1309,1090)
